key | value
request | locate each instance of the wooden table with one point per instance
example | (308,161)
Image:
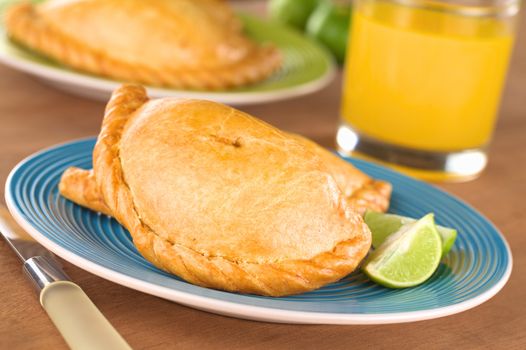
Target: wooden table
(34,115)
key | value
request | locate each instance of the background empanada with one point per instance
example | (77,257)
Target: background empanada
(195,44)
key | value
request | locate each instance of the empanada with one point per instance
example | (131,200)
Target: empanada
(224,200)
(195,44)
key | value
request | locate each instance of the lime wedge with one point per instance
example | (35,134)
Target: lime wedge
(408,257)
(383,225)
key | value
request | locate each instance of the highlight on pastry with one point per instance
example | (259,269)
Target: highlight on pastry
(225,200)
(184,44)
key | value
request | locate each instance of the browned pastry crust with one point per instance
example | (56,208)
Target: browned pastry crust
(162,45)
(180,175)
(79,186)
(361,192)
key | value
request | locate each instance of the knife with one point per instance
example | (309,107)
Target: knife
(79,321)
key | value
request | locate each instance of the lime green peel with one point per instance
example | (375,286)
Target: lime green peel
(383,225)
(407,257)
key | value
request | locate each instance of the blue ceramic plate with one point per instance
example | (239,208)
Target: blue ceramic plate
(476,269)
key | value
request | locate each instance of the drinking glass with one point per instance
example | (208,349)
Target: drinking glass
(422,84)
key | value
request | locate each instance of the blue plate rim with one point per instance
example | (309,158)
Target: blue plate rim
(252,312)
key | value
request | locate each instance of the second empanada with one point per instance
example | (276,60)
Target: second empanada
(190,44)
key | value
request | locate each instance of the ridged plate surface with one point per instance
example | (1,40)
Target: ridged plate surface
(477,267)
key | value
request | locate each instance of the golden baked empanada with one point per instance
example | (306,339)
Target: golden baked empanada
(223,199)
(196,44)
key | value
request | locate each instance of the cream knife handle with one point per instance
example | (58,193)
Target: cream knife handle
(79,321)
(76,317)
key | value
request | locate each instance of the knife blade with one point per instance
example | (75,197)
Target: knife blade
(23,245)
(79,321)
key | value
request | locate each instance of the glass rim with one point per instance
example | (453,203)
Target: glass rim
(477,8)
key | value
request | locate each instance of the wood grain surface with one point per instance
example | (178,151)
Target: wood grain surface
(34,116)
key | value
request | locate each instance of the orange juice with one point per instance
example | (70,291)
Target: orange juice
(424,78)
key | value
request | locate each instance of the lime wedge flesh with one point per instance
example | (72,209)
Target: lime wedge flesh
(407,257)
(383,225)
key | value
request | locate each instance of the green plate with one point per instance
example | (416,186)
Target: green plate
(306,68)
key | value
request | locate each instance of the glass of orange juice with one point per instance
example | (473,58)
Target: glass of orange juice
(422,84)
